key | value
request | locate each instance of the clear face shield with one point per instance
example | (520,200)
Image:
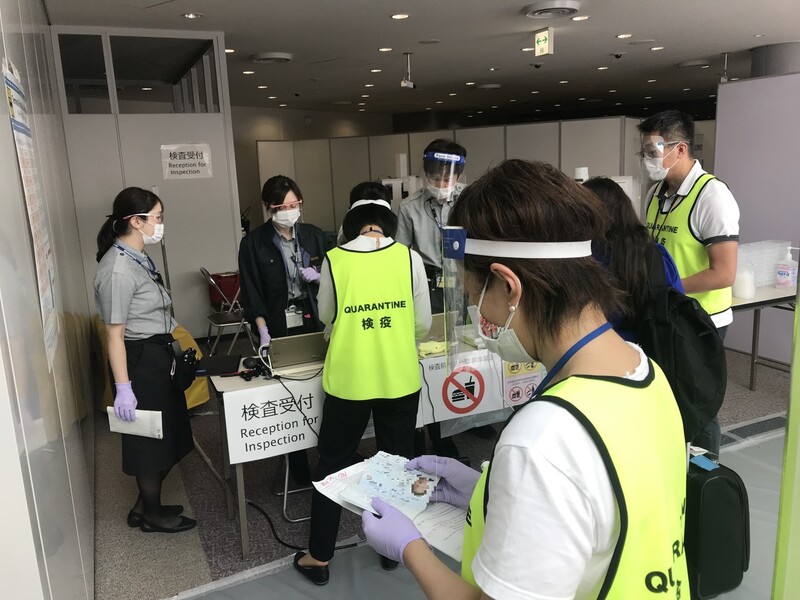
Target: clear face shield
(465,328)
(440,175)
(653,152)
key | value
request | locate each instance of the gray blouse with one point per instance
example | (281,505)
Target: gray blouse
(126,292)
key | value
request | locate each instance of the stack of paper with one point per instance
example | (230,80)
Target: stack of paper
(384,476)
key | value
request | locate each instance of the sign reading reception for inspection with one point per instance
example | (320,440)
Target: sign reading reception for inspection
(271,420)
(186,161)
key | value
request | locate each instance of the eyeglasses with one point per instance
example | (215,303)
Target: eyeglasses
(656,149)
(146,216)
(282,207)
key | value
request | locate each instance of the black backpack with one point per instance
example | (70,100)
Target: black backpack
(675,332)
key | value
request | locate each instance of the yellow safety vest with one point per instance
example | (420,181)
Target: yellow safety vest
(372,351)
(672,230)
(637,429)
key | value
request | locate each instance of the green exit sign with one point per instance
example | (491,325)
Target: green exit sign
(543,42)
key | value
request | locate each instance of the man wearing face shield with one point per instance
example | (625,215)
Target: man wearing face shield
(579,499)
(695,217)
(279,273)
(423,214)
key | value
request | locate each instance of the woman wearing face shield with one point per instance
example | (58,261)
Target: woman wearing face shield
(581,499)
(135,307)
(279,274)
(374,296)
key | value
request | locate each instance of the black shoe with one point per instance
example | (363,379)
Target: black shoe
(135,519)
(185,524)
(388,564)
(316,575)
(485,432)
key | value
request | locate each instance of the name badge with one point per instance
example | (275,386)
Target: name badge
(294,317)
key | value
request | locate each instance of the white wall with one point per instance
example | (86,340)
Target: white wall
(251,124)
(46,449)
(756,155)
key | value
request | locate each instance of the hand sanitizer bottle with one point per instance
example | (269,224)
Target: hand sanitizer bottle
(786,272)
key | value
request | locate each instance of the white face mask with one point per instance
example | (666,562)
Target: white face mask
(286,218)
(502,341)
(158,234)
(655,168)
(440,193)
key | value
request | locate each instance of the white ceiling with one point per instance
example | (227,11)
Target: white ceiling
(335,44)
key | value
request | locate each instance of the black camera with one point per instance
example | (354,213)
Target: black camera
(255,368)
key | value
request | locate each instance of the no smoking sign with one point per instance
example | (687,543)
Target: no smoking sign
(462,390)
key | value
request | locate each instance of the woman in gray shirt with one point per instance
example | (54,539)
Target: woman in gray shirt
(135,306)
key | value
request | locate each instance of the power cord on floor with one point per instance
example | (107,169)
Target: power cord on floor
(227,484)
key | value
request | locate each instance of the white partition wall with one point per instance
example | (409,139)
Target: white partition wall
(94,194)
(275,158)
(594,143)
(312,167)
(124,149)
(535,141)
(486,147)
(756,155)
(383,150)
(349,166)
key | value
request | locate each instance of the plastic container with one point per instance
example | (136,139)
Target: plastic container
(786,272)
(744,286)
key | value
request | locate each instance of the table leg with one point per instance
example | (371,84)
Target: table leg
(242,510)
(226,463)
(754,347)
(287,491)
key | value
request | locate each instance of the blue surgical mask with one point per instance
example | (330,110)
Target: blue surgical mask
(502,341)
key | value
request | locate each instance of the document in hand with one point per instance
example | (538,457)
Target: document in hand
(441,524)
(147,423)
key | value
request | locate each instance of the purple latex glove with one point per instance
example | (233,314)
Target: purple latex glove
(125,402)
(309,274)
(457,481)
(263,334)
(390,533)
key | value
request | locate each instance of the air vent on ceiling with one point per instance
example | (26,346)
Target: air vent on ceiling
(551,9)
(489,86)
(271,58)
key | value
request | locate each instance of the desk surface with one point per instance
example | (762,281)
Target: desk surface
(765,296)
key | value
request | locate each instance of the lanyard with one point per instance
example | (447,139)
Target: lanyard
(569,354)
(150,267)
(654,232)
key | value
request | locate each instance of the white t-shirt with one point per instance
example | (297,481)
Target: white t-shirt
(556,534)
(715,218)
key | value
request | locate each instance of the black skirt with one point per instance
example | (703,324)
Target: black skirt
(149,368)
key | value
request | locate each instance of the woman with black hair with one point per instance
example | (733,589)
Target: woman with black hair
(580,500)
(374,294)
(629,252)
(279,274)
(135,306)
(366,190)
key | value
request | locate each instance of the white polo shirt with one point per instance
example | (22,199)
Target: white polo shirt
(715,217)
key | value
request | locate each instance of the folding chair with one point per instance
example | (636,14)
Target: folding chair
(231,314)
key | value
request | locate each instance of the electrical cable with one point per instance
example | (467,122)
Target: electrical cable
(227,484)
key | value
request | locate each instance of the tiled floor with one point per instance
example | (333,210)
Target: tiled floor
(356,573)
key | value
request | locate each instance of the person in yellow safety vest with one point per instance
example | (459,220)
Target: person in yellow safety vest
(695,217)
(585,494)
(374,296)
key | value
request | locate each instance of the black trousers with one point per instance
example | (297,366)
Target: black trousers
(343,424)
